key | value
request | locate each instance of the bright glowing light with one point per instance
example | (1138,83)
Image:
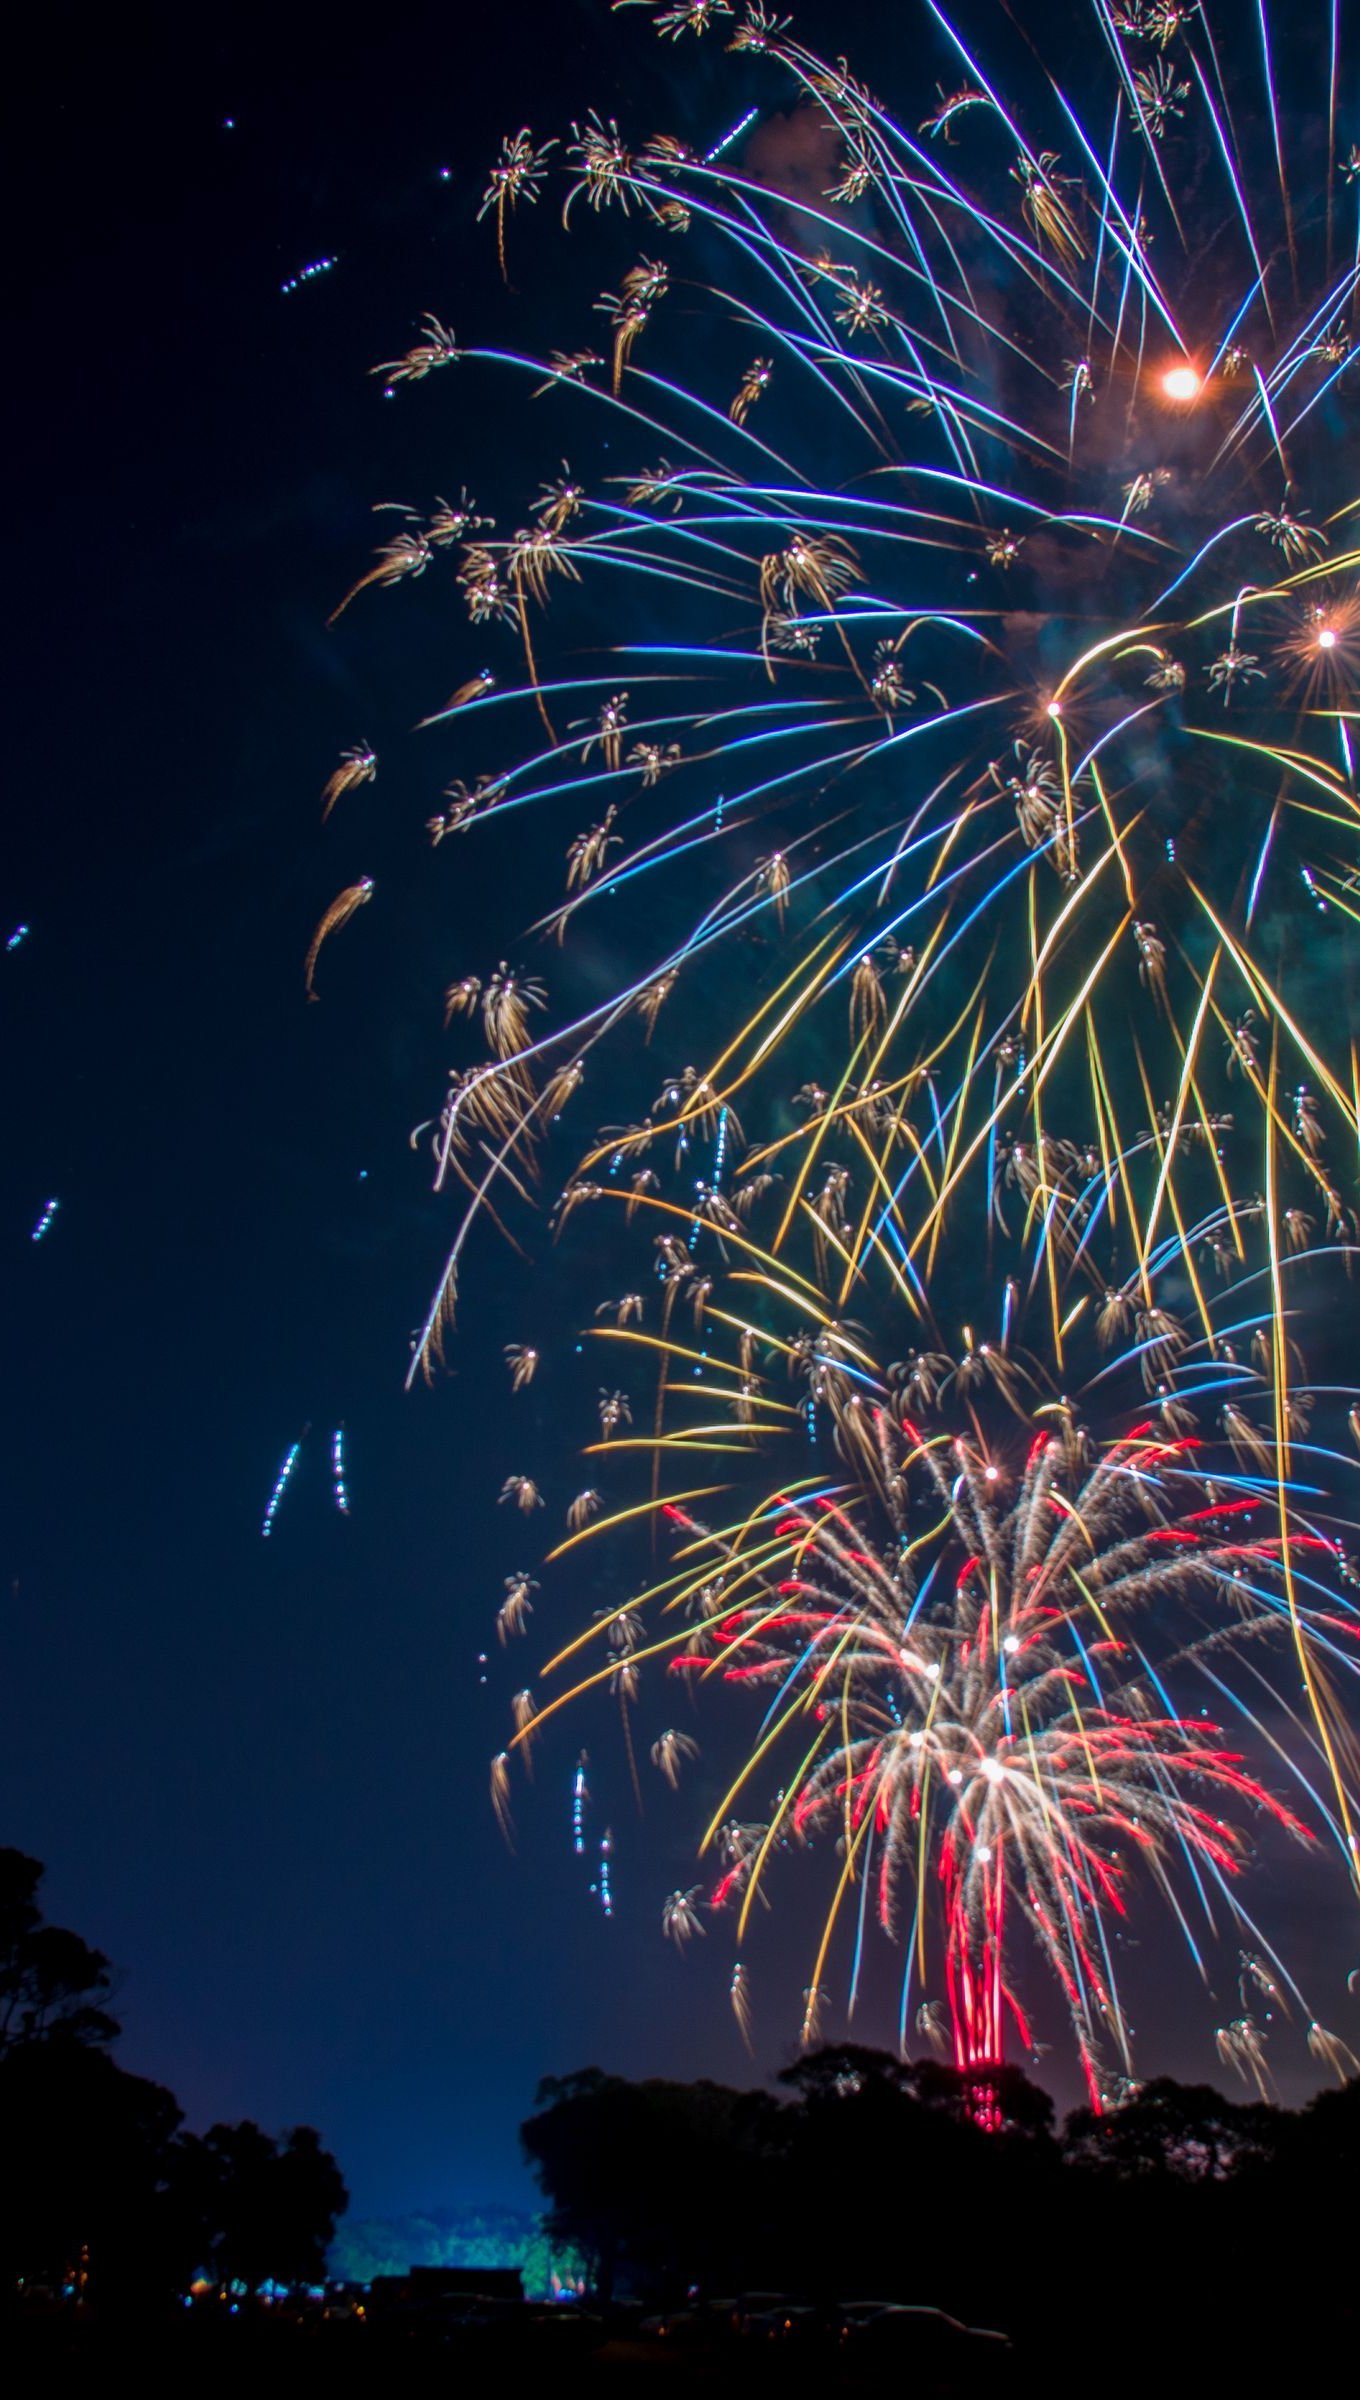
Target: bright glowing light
(1182,384)
(1326,639)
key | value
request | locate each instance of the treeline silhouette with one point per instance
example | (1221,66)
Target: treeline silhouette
(1180,2232)
(108,2207)
(1179,2225)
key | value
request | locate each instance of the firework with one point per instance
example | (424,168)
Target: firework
(339,1483)
(282,1481)
(981,821)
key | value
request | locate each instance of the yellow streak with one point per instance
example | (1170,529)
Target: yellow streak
(588,1683)
(1297,759)
(1253,976)
(1054,1042)
(620,1516)
(847,1876)
(955,1132)
(1187,1076)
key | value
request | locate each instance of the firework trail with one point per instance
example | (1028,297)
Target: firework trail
(339,1483)
(282,1481)
(955,690)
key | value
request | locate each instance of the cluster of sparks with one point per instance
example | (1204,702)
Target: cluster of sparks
(1010,587)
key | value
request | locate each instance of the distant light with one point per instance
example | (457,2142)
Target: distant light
(1054,709)
(20,934)
(309,273)
(45,1220)
(1327,638)
(1182,383)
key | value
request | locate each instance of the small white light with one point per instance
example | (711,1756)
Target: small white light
(1054,709)
(955,1775)
(983,1853)
(993,1770)
(1327,638)
(1011,1644)
(991,1473)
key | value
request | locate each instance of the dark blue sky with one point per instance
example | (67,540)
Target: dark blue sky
(258,1771)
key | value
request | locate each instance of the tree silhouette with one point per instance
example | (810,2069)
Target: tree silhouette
(264,2211)
(53,1986)
(1185,2130)
(104,2200)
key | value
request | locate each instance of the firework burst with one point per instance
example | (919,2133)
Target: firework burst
(968,787)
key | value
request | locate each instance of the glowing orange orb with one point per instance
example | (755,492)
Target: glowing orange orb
(1182,383)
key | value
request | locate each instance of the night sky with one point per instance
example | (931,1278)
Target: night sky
(258,1771)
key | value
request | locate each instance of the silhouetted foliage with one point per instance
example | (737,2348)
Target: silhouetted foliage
(86,2172)
(1186,2130)
(103,2198)
(873,2177)
(263,2210)
(623,2165)
(53,1986)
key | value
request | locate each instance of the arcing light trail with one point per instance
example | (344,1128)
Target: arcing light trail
(991,523)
